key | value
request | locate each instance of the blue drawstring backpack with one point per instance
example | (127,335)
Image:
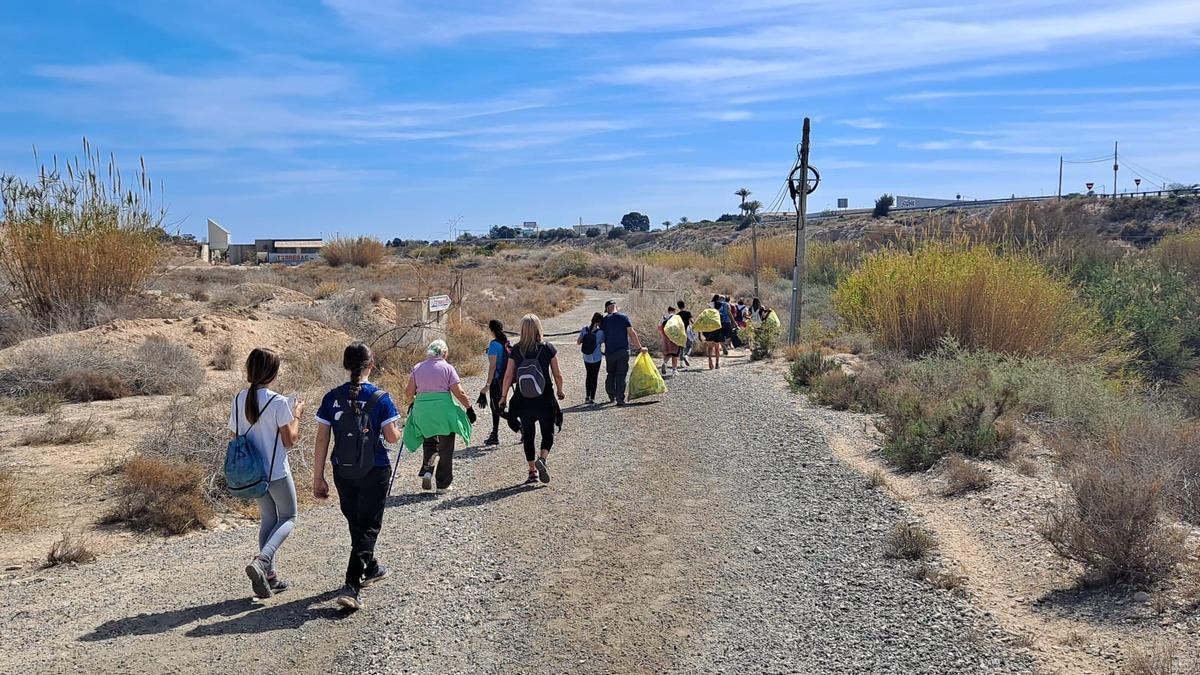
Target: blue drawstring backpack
(245,474)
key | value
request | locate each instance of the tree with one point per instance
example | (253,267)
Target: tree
(635,222)
(616,233)
(666,224)
(592,232)
(683,220)
(751,208)
(883,206)
(556,233)
(467,236)
(728,218)
(503,232)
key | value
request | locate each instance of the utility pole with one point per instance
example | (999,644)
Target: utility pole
(800,194)
(1115,169)
(1060,168)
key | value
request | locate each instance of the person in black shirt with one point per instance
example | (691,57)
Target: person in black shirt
(535,411)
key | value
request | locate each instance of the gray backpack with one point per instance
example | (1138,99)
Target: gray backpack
(531,383)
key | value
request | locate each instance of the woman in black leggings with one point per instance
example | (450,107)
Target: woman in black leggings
(497,354)
(532,364)
(593,359)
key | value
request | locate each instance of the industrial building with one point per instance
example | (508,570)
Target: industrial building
(287,251)
(582,229)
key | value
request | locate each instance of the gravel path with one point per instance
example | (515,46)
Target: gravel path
(670,539)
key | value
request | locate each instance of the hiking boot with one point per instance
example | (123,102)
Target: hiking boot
(348,599)
(543,471)
(278,585)
(381,572)
(532,479)
(492,440)
(257,570)
(427,479)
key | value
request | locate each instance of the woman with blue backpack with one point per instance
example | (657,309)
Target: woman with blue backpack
(532,363)
(264,421)
(358,416)
(590,339)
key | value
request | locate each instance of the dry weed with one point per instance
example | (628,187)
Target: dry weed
(70,549)
(81,386)
(962,475)
(908,542)
(15,502)
(877,479)
(224,358)
(1159,660)
(163,496)
(357,251)
(56,431)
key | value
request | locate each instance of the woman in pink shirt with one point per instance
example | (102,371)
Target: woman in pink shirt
(435,420)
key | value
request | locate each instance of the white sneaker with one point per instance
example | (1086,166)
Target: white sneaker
(427,480)
(442,491)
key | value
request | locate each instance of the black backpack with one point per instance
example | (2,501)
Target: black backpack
(588,346)
(531,383)
(354,439)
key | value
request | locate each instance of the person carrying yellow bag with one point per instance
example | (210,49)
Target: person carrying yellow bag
(644,379)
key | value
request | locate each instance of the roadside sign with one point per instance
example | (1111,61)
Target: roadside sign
(439,303)
(1090,185)
(1137,182)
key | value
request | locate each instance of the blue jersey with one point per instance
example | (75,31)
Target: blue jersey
(384,413)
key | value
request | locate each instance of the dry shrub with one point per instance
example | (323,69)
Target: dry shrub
(15,326)
(1189,389)
(224,358)
(907,541)
(357,251)
(806,367)
(1160,660)
(962,475)
(325,289)
(71,549)
(73,241)
(15,502)
(1004,303)
(318,370)
(160,366)
(1112,521)
(467,341)
(192,432)
(163,496)
(859,392)
(946,580)
(89,385)
(39,402)
(56,431)
(877,479)
(1180,253)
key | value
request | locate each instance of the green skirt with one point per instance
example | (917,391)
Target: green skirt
(435,414)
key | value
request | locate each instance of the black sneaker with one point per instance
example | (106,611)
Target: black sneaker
(348,599)
(532,479)
(492,440)
(257,570)
(620,404)
(381,572)
(543,471)
(278,585)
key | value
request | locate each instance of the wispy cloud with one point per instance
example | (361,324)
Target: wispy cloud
(852,141)
(863,123)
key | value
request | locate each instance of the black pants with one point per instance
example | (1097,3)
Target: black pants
(443,447)
(617,362)
(593,376)
(362,503)
(494,405)
(530,422)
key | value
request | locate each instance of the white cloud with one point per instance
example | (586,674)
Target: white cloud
(863,123)
(728,115)
(847,142)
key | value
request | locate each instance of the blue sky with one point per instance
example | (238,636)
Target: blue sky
(392,118)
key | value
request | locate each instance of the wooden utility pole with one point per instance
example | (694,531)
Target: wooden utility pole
(1115,169)
(1060,168)
(801,198)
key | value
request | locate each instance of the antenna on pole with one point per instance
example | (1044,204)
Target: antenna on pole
(1115,165)
(800,185)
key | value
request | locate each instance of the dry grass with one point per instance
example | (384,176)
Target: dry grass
(357,251)
(877,479)
(907,541)
(16,502)
(71,549)
(56,431)
(74,241)
(325,289)
(1113,520)
(81,386)
(945,580)
(85,372)
(1180,253)
(911,301)
(40,402)
(163,496)
(962,475)
(224,358)
(1159,660)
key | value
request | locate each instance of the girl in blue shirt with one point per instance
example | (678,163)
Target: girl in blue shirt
(591,360)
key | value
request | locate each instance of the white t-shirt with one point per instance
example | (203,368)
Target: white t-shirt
(265,432)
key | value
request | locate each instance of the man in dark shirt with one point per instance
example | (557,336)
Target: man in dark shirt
(618,334)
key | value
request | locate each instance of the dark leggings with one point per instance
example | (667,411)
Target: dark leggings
(494,405)
(443,447)
(530,422)
(362,503)
(593,376)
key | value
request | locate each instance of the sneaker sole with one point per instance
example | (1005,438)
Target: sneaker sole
(543,472)
(375,580)
(258,582)
(426,482)
(349,603)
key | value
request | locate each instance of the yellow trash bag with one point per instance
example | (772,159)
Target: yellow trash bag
(708,321)
(644,379)
(772,320)
(675,330)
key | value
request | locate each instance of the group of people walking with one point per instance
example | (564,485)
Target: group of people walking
(523,386)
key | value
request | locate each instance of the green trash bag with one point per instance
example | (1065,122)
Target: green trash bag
(708,321)
(644,379)
(675,330)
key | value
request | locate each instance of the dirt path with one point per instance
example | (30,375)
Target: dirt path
(706,530)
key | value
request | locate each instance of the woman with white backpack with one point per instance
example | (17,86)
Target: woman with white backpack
(530,366)
(272,427)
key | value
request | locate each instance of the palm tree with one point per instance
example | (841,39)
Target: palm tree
(666,224)
(751,209)
(683,220)
(743,193)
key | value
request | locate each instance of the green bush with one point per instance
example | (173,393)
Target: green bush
(836,389)
(1159,310)
(763,339)
(918,432)
(566,264)
(806,367)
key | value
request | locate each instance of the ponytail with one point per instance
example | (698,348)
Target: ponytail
(497,329)
(262,366)
(356,359)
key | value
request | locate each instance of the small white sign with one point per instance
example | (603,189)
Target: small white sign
(439,303)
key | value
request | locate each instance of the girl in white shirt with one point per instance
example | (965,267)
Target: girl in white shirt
(268,420)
